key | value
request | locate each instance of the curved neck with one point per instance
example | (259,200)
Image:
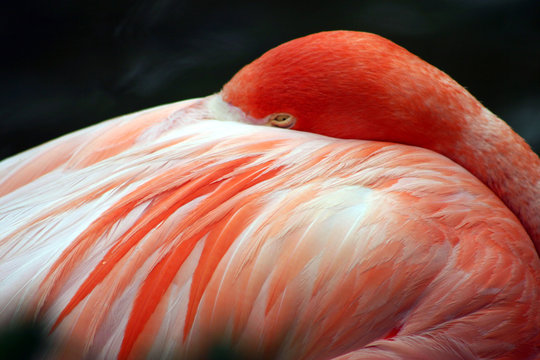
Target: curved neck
(454,123)
(503,161)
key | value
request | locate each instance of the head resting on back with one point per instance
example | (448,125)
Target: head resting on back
(350,84)
(357,85)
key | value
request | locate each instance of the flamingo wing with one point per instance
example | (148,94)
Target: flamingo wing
(162,231)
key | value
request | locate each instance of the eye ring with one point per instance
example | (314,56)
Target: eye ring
(281,120)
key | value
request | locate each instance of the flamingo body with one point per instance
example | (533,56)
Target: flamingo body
(162,231)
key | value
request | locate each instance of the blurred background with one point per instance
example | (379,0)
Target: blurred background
(69,64)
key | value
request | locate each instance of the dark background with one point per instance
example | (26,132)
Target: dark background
(68,64)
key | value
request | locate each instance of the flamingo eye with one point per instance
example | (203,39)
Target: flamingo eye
(282,120)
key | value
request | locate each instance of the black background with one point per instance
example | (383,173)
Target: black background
(68,64)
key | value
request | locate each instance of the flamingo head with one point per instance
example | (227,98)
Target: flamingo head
(357,85)
(352,85)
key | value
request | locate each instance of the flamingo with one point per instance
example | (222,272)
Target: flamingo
(340,198)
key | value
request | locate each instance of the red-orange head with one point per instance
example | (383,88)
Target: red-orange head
(350,84)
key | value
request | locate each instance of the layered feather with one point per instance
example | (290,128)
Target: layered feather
(166,230)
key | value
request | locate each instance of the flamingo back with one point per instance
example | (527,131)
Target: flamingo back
(166,231)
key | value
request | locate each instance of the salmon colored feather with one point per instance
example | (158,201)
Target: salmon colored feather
(399,222)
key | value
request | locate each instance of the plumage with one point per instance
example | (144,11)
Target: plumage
(165,231)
